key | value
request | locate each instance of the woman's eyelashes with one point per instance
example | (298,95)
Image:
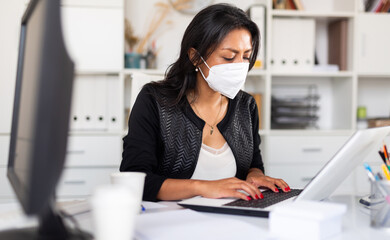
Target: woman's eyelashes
(233,58)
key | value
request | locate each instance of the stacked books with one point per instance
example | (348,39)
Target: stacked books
(377,6)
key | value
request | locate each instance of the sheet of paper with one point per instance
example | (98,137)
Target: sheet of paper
(189,224)
(152,205)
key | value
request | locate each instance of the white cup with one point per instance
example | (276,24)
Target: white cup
(114,210)
(134,181)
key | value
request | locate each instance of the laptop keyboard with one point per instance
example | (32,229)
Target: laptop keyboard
(270,198)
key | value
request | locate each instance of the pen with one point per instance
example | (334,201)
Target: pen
(379,175)
(370,173)
(385,152)
(386,171)
(143,208)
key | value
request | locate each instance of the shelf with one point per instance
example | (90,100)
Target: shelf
(311,14)
(128,71)
(373,13)
(371,75)
(341,74)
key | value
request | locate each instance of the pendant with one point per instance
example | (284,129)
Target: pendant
(211,130)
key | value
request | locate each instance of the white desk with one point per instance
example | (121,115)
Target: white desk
(356,223)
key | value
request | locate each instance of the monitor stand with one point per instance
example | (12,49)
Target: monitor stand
(51,226)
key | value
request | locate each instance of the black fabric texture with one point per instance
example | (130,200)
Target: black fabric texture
(164,142)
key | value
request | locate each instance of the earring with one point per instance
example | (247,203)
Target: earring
(196,69)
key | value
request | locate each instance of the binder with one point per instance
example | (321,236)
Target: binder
(76,108)
(88,96)
(113,103)
(337,43)
(258,15)
(99,110)
(293,45)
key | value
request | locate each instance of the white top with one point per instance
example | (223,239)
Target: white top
(215,164)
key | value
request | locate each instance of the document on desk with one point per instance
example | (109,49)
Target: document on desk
(189,224)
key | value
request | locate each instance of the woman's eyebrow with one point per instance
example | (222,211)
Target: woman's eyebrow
(235,50)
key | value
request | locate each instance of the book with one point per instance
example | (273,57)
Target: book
(378,122)
(298,5)
(337,43)
(386,6)
(279,4)
(290,5)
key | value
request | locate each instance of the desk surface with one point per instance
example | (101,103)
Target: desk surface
(356,222)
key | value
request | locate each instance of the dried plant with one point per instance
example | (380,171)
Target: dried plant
(130,38)
(162,11)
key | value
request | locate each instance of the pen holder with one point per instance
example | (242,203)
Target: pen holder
(380,211)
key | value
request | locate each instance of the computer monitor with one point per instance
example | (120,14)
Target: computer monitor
(40,121)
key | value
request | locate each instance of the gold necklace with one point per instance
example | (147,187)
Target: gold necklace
(216,118)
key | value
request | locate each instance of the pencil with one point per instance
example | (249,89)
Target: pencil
(386,171)
(385,152)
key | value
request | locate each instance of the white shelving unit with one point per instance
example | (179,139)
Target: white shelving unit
(285,152)
(295,155)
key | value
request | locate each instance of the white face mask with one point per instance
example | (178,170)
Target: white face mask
(226,78)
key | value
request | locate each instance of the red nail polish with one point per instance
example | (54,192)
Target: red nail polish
(249,198)
(286,189)
(257,197)
(261,196)
(289,188)
(276,190)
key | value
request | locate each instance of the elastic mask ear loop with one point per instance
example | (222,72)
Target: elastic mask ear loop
(200,70)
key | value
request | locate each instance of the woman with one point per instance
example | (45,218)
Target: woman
(195,133)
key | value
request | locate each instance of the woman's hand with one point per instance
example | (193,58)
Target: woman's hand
(229,187)
(257,178)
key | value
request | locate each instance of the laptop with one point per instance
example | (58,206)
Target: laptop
(350,155)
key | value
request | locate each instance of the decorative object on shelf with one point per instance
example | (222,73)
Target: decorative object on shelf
(190,6)
(287,4)
(294,107)
(131,39)
(133,60)
(143,49)
(361,117)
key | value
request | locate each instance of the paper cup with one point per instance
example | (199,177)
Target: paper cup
(134,181)
(114,210)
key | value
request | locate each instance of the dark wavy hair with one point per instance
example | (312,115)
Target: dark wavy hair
(205,32)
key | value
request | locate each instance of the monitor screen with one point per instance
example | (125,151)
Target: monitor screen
(40,121)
